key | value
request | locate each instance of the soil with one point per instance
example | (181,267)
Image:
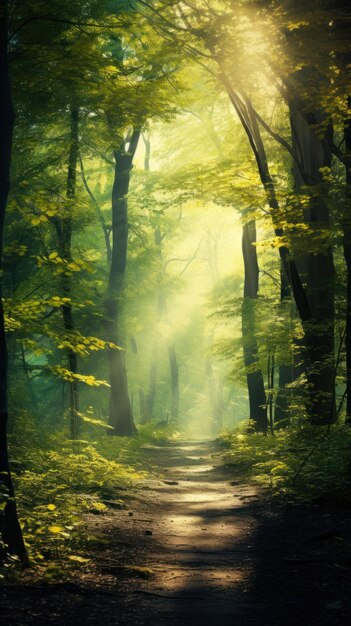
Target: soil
(197,545)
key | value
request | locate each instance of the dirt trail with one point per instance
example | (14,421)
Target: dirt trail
(197,552)
(195,547)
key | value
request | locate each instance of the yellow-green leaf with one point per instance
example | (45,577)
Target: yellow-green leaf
(55,529)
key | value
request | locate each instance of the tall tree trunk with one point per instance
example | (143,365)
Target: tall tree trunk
(248,119)
(347,256)
(320,309)
(10,529)
(342,31)
(313,153)
(64,235)
(270,386)
(174,382)
(287,372)
(120,412)
(255,383)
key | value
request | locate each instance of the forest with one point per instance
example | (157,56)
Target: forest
(175,312)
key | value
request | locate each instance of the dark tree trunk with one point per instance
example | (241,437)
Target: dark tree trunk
(120,413)
(313,153)
(287,372)
(270,385)
(347,256)
(342,30)
(255,383)
(10,529)
(120,408)
(174,382)
(320,309)
(64,235)
(249,122)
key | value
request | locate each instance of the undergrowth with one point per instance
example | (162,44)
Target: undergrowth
(303,462)
(56,484)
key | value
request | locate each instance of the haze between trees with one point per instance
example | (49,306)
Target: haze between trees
(149,141)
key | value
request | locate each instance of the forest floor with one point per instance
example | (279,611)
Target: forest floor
(197,545)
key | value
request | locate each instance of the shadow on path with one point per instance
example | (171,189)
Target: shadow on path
(216,554)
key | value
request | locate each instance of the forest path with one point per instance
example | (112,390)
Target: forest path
(191,528)
(215,553)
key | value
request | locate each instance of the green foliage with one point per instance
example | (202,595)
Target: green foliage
(56,487)
(303,462)
(166,69)
(151,433)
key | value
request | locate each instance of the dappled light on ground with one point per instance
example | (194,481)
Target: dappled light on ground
(199,550)
(194,552)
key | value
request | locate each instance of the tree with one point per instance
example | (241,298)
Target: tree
(255,384)
(9,525)
(64,240)
(314,157)
(287,372)
(120,411)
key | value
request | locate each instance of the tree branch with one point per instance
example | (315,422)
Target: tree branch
(98,211)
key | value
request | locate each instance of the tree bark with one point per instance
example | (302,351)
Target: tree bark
(342,31)
(347,256)
(270,386)
(313,153)
(10,529)
(120,411)
(64,235)
(315,308)
(248,120)
(287,372)
(254,376)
